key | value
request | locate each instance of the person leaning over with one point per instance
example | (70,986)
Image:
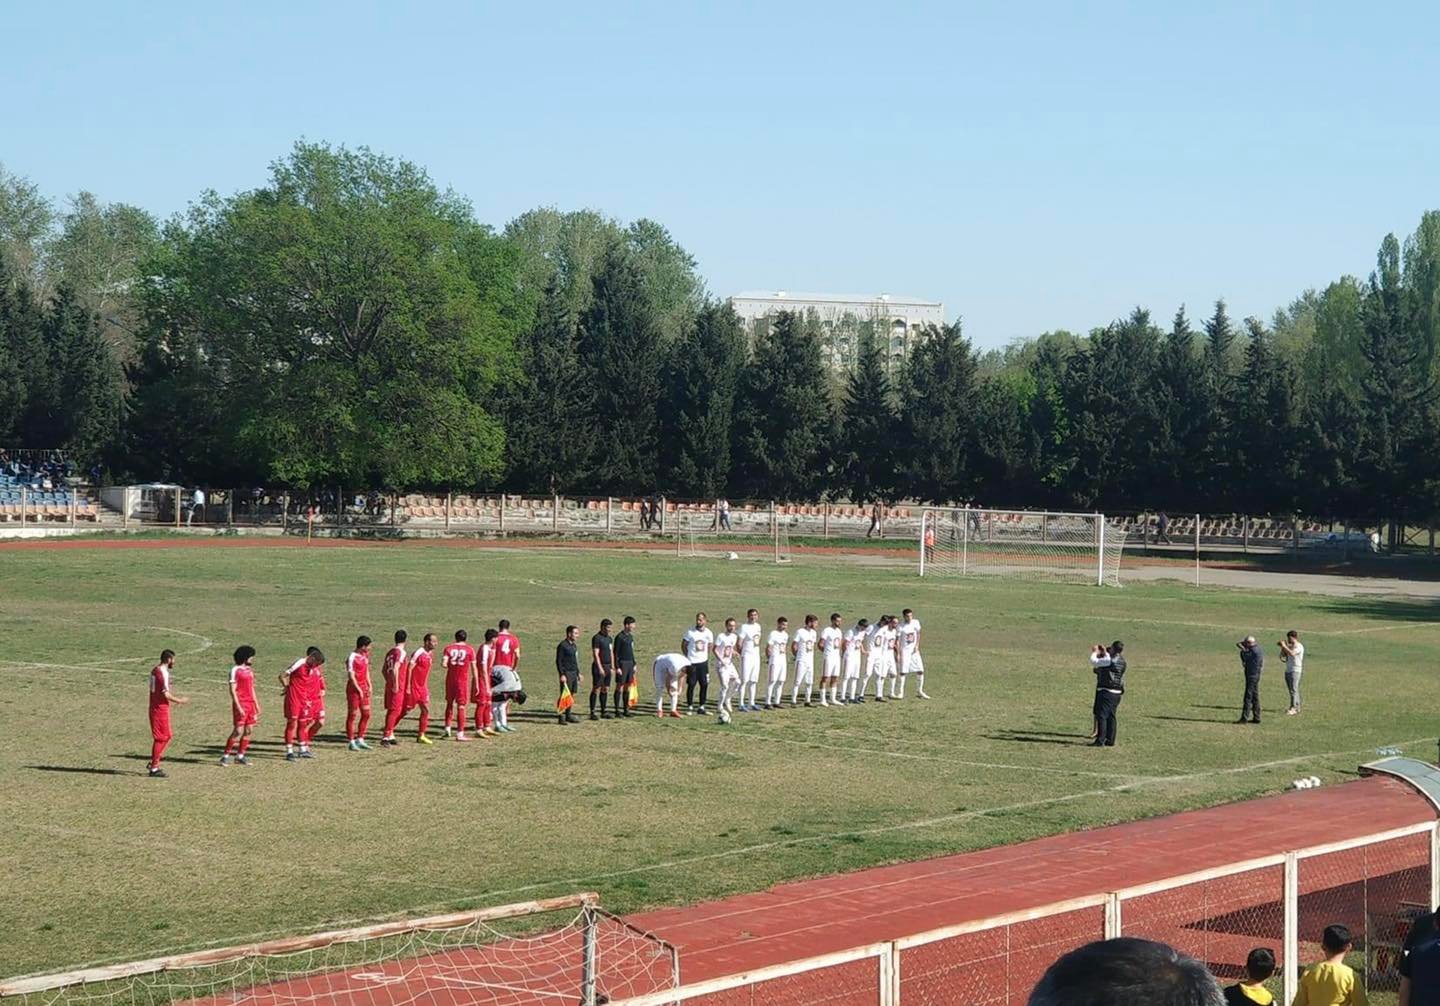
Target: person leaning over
(1109,667)
(1126,972)
(1252,662)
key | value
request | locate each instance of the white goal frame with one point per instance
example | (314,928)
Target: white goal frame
(1030,544)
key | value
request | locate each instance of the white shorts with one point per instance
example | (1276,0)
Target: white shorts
(913,664)
(852,667)
(778,670)
(876,667)
(664,683)
(887,663)
(750,667)
(832,665)
(728,675)
(805,672)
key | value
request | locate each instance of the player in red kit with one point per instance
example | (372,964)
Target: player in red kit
(357,695)
(300,691)
(160,699)
(486,721)
(505,661)
(419,696)
(244,706)
(459,660)
(396,672)
(317,702)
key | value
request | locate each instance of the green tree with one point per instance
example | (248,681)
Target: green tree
(785,419)
(337,308)
(620,352)
(1179,435)
(26,220)
(1215,469)
(702,376)
(98,253)
(174,425)
(868,450)
(35,391)
(88,380)
(936,424)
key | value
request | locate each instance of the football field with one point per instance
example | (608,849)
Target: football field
(103,863)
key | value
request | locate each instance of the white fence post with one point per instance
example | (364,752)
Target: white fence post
(924,520)
(1291,939)
(1099,550)
(1114,923)
(890,976)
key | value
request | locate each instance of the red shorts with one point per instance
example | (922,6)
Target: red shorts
(245,715)
(394,698)
(160,723)
(356,699)
(457,687)
(418,697)
(298,707)
(317,706)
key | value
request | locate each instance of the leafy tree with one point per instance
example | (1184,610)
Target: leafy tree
(702,376)
(785,418)
(26,218)
(98,253)
(936,434)
(619,345)
(867,447)
(173,427)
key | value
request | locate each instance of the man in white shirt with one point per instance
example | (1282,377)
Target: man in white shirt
(775,645)
(831,640)
(910,661)
(851,657)
(1293,651)
(726,647)
(667,670)
(803,647)
(749,636)
(877,641)
(697,645)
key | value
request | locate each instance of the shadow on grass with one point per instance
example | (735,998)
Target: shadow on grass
(146,758)
(1370,606)
(77,770)
(1027,737)
(1194,719)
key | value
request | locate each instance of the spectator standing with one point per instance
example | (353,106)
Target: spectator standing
(722,514)
(1332,982)
(1126,972)
(1109,665)
(1251,990)
(1162,528)
(567,666)
(1292,651)
(877,520)
(1420,964)
(1252,662)
(197,505)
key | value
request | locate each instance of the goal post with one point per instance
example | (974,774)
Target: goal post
(1023,544)
(502,954)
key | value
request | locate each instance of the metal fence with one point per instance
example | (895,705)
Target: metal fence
(1376,884)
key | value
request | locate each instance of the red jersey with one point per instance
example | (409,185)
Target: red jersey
(159,685)
(394,668)
(507,648)
(297,677)
(242,679)
(420,670)
(459,659)
(357,672)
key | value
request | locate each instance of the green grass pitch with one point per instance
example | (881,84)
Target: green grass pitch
(104,864)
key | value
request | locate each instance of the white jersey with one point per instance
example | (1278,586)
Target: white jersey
(749,635)
(698,643)
(831,640)
(909,637)
(805,647)
(669,667)
(852,653)
(726,646)
(775,647)
(874,640)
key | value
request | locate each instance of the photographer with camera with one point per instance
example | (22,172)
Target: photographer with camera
(1252,662)
(1109,666)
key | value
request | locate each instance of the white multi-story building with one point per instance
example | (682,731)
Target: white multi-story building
(899,322)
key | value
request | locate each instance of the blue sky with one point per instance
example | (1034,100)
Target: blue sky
(1034,166)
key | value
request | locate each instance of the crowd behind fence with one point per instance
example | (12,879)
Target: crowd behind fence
(1377,885)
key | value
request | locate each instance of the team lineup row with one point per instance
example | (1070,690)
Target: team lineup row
(489,679)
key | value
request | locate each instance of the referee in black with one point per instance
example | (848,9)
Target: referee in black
(624,653)
(568,667)
(602,668)
(1109,667)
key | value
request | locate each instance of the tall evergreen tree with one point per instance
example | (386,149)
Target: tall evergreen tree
(88,383)
(1214,465)
(35,418)
(1180,387)
(936,434)
(702,376)
(784,416)
(552,437)
(620,352)
(867,448)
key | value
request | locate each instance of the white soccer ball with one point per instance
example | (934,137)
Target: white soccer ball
(733,555)
(724,716)
(1314,780)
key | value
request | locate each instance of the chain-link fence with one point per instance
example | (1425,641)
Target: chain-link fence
(1376,885)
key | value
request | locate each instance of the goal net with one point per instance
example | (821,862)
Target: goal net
(1029,545)
(695,536)
(489,956)
(782,540)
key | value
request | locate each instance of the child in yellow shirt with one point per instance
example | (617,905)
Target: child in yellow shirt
(1332,982)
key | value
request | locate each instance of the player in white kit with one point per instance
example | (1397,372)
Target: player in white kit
(852,652)
(667,668)
(749,635)
(775,646)
(831,639)
(727,645)
(803,647)
(874,664)
(910,662)
(892,640)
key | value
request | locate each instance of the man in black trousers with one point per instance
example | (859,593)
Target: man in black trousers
(1109,667)
(1252,662)
(567,666)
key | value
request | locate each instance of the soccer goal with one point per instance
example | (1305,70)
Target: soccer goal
(1030,545)
(782,540)
(487,956)
(695,537)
